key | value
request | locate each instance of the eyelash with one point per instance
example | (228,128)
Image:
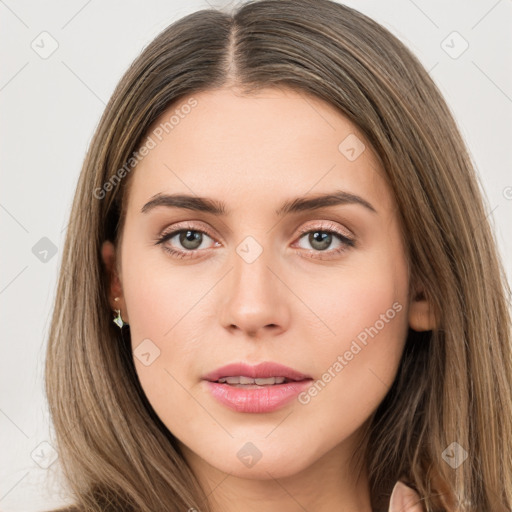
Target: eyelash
(328,228)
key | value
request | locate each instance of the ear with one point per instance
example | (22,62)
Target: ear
(404,499)
(421,312)
(108,255)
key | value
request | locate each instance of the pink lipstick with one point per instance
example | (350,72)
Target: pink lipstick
(263,388)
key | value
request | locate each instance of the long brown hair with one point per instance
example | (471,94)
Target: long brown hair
(454,382)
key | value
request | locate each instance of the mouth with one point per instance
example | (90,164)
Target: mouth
(262,375)
(263,388)
(248,383)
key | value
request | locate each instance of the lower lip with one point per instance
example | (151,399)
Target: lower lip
(266,399)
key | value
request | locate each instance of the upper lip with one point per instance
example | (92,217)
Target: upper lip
(262,370)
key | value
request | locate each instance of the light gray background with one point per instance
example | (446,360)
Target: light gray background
(50,108)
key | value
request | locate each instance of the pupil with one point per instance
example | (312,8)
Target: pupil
(190,239)
(320,242)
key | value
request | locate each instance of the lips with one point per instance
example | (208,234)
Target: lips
(263,388)
(255,375)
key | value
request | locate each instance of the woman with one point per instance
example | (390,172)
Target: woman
(309,310)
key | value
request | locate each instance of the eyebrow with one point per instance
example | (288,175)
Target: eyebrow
(218,208)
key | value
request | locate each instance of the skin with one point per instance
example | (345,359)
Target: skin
(254,152)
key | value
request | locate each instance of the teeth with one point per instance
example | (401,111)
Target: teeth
(269,380)
(248,380)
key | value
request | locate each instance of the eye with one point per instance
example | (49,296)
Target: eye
(322,238)
(188,240)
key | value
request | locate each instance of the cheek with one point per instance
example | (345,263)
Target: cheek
(161,303)
(159,294)
(357,359)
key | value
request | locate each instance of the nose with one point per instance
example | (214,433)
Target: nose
(255,301)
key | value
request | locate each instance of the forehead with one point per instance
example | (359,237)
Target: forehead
(246,149)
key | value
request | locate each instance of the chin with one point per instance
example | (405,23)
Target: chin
(257,461)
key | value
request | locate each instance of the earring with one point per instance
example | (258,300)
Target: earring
(118,320)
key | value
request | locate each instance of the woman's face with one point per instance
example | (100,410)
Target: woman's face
(320,290)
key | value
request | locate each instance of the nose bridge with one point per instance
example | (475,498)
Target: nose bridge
(254,296)
(251,274)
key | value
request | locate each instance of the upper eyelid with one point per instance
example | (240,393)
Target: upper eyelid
(327,225)
(182,226)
